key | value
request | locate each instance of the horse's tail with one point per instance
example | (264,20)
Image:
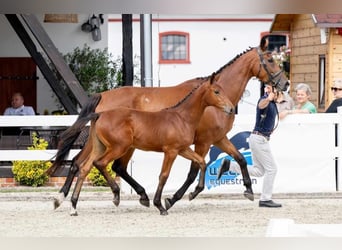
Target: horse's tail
(69,136)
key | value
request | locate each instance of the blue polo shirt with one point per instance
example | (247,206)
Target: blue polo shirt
(265,118)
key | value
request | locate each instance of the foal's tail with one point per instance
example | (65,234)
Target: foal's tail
(69,136)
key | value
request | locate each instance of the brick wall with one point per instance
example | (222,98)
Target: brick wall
(52,182)
(8,182)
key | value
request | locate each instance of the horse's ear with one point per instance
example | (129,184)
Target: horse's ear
(264,43)
(212,78)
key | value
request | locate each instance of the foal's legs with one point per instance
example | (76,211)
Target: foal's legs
(100,163)
(193,156)
(226,146)
(111,182)
(194,168)
(72,173)
(63,192)
(85,162)
(120,167)
(169,158)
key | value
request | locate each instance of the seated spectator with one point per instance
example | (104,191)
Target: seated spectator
(18,107)
(284,103)
(337,92)
(303,104)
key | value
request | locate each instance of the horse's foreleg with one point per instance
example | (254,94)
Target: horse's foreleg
(63,193)
(169,202)
(226,146)
(169,158)
(120,168)
(194,168)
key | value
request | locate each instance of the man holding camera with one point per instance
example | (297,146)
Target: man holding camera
(263,160)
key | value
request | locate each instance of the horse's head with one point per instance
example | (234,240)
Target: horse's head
(219,98)
(269,70)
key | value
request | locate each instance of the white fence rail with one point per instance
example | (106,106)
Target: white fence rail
(307,149)
(29,121)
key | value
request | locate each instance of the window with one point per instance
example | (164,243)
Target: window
(276,41)
(321,90)
(174,47)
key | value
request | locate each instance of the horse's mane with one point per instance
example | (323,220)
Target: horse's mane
(228,63)
(212,76)
(185,98)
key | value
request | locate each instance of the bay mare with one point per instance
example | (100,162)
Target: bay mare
(170,130)
(213,126)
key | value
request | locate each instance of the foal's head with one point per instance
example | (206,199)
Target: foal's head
(216,96)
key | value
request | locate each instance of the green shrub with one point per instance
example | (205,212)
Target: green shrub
(32,173)
(97,179)
(95,69)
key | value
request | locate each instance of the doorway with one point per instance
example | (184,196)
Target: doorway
(18,74)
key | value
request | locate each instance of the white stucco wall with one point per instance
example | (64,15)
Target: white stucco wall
(208,48)
(212,45)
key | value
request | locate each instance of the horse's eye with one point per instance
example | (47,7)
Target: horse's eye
(271,60)
(217,92)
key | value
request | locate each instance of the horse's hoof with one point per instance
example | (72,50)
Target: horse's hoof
(73,213)
(116,202)
(145,202)
(56,203)
(164,212)
(249,195)
(168,203)
(191,196)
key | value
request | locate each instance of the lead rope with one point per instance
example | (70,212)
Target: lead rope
(263,116)
(276,125)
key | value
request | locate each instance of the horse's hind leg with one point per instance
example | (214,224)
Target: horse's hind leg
(111,182)
(83,162)
(120,167)
(80,179)
(66,186)
(226,146)
(71,175)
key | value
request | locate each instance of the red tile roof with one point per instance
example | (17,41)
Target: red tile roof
(282,22)
(328,20)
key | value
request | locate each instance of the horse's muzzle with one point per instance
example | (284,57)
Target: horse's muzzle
(229,110)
